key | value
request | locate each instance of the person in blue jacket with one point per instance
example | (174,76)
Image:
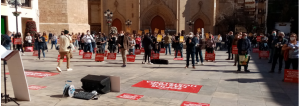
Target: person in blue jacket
(244,46)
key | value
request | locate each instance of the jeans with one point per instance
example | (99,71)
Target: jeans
(35,46)
(239,66)
(53,43)
(280,57)
(199,52)
(131,50)
(103,48)
(294,62)
(178,48)
(7,47)
(40,48)
(75,43)
(229,51)
(88,46)
(218,44)
(188,54)
(168,46)
(271,55)
(211,50)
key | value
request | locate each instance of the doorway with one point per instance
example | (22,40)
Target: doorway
(157,22)
(198,24)
(117,23)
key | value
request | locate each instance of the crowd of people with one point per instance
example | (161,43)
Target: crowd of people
(280,47)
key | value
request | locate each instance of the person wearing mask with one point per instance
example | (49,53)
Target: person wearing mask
(112,44)
(210,44)
(138,42)
(178,45)
(244,46)
(264,43)
(147,42)
(277,46)
(64,50)
(168,41)
(100,42)
(28,40)
(88,42)
(131,44)
(229,43)
(41,45)
(234,42)
(19,46)
(293,52)
(199,45)
(53,40)
(271,49)
(6,41)
(190,49)
(123,45)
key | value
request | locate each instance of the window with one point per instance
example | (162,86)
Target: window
(26,3)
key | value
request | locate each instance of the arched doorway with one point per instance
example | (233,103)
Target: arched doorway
(157,22)
(117,23)
(198,24)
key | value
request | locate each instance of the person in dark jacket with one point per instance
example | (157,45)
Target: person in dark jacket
(5,40)
(277,46)
(229,43)
(155,45)
(178,45)
(19,46)
(147,42)
(271,38)
(244,46)
(99,43)
(190,49)
(41,45)
(112,44)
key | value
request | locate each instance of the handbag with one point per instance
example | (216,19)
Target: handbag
(244,60)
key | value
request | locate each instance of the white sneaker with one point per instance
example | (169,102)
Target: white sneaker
(58,69)
(150,63)
(143,62)
(202,63)
(69,69)
(23,54)
(197,63)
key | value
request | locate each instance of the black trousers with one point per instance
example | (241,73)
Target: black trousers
(294,62)
(19,46)
(280,57)
(229,52)
(147,55)
(209,50)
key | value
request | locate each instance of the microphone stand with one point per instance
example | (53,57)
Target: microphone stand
(6,96)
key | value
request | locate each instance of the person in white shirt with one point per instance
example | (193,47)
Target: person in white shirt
(64,50)
(88,42)
(28,40)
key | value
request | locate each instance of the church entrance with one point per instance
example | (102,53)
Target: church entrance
(117,23)
(198,24)
(157,22)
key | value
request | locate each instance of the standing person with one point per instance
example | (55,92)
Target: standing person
(41,45)
(93,42)
(53,40)
(6,41)
(112,44)
(36,41)
(75,41)
(229,43)
(20,46)
(100,42)
(168,41)
(254,41)
(244,46)
(78,40)
(199,45)
(138,42)
(147,42)
(293,52)
(28,40)
(277,46)
(190,50)
(210,44)
(131,45)
(155,45)
(218,40)
(46,37)
(271,49)
(178,46)
(50,37)
(235,42)
(64,50)
(13,40)
(123,45)
(105,39)
(82,43)
(88,42)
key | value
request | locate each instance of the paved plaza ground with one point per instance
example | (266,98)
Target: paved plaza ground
(222,85)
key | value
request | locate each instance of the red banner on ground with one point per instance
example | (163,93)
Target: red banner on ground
(37,74)
(58,58)
(210,56)
(18,41)
(130,96)
(178,58)
(137,52)
(255,50)
(35,87)
(35,53)
(28,49)
(169,86)
(234,49)
(87,55)
(291,76)
(95,50)
(130,58)
(81,52)
(162,50)
(142,50)
(111,56)
(264,54)
(99,57)
(258,38)
(154,56)
(187,103)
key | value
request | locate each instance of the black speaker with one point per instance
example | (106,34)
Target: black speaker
(94,82)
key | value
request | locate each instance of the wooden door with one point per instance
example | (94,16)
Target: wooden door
(157,22)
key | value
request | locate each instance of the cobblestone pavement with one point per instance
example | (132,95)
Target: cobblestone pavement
(222,85)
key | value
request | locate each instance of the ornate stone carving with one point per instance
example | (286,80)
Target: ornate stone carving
(200,4)
(116,4)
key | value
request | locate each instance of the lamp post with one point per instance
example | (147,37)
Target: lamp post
(291,20)
(15,3)
(128,23)
(108,14)
(190,23)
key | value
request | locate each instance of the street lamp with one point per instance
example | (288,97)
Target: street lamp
(128,22)
(190,23)
(108,14)
(15,3)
